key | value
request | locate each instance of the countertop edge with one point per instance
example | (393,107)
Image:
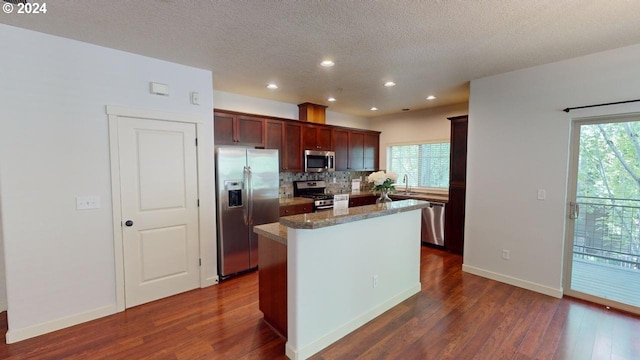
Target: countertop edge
(273,231)
(328,218)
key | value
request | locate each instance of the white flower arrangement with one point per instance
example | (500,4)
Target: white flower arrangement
(382,181)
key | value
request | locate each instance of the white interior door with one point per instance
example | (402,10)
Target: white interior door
(158,180)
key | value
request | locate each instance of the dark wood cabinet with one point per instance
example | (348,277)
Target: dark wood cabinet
(356,150)
(272,280)
(236,129)
(224,128)
(362,200)
(454,216)
(274,139)
(296,209)
(312,113)
(285,137)
(316,137)
(341,148)
(371,151)
(293,147)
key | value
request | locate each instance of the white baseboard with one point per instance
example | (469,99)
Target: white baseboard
(13,336)
(335,335)
(557,293)
(213,280)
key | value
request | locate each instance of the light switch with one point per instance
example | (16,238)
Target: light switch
(542,194)
(195,98)
(87,202)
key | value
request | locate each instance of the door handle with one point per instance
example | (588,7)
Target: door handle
(245,190)
(250,180)
(128,223)
(574,210)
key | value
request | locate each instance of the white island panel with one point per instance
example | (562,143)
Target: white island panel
(331,270)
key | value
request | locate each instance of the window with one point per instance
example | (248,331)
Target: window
(426,165)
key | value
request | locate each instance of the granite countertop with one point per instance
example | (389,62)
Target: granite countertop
(359,194)
(295,201)
(435,197)
(330,218)
(273,231)
(438,197)
(301,200)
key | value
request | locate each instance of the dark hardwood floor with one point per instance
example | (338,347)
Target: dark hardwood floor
(456,316)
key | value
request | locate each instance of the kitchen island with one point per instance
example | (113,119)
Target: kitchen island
(323,275)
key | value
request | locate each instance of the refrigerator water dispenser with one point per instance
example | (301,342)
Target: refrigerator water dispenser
(234,193)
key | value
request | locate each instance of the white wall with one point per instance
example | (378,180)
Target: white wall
(54,146)
(518,143)
(326,302)
(3,281)
(415,127)
(235,102)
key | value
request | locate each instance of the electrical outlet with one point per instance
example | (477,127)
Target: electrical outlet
(87,202)
(506,254)
(375,281)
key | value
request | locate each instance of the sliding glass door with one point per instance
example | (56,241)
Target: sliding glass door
(603,242)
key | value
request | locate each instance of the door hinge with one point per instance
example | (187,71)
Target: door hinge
(198,202)
(199,262)
(196,141)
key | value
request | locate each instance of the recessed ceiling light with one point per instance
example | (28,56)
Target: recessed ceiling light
(272,86)
(374,109)
(389,84)
(327,63)
(332,99)
(431,97)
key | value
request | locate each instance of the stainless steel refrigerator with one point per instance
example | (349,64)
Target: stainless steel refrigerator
(247,184)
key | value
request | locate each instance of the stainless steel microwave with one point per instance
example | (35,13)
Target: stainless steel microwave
(319,161)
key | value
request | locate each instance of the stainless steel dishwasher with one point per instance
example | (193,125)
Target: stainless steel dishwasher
(433,224)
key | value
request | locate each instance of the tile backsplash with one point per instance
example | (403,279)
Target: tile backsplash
(341,184)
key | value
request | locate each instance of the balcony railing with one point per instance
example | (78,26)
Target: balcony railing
(608,231)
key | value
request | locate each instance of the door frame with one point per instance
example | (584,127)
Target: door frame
(572,186)
(115,114)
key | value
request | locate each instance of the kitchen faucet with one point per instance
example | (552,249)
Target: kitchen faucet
(405,180)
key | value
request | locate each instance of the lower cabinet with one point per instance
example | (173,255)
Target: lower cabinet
(362,200)
(296,209)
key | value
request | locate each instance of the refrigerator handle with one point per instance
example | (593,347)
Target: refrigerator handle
(250,189)
(245,188)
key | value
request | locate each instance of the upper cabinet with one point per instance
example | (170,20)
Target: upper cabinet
(237,129)
(312,113)
(286,137)
(371,151)
(355,149)
(316,137)
(293,147)
(341,148)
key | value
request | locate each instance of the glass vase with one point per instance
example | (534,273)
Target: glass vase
(384,197)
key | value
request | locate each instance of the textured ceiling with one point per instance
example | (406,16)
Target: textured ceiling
(426,47)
